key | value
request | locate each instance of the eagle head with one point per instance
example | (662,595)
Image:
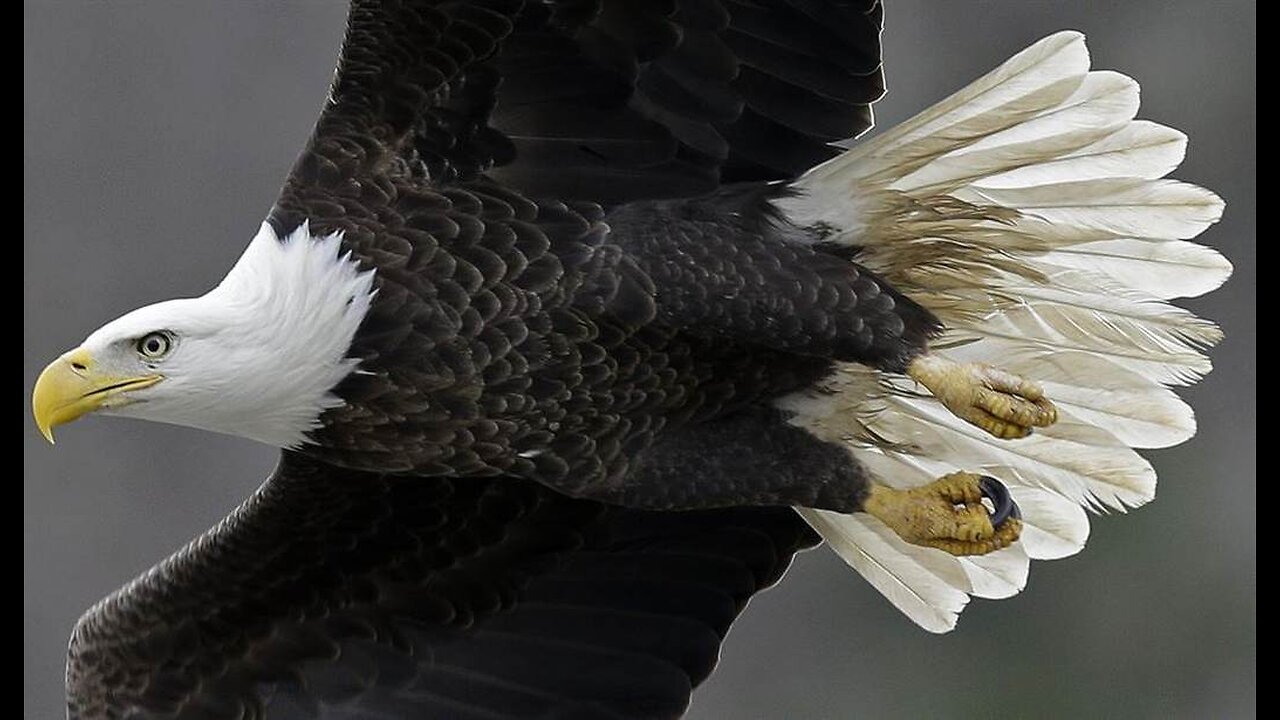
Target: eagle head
(258,356)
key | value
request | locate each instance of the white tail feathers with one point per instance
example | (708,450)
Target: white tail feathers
(1028,212)
(929,587)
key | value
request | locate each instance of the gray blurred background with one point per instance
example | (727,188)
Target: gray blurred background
(157,133)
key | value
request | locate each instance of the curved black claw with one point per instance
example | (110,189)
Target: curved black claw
(998,494)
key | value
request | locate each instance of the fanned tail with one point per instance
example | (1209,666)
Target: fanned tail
(1028,212)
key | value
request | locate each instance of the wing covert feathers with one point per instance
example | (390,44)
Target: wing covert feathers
(1029,212)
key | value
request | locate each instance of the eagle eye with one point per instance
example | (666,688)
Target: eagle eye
(155,345)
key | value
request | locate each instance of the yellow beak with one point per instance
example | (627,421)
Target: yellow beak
(71,387)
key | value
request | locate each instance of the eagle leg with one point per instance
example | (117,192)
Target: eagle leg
(949,513)
(999,402)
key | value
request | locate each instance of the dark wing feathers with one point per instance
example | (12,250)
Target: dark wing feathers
(418,597)
(606,101)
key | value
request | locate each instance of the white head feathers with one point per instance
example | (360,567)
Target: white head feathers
(259,355)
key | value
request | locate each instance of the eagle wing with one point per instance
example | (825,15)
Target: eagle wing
(346,595)
(596,100)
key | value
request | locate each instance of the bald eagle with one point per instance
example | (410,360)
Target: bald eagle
(546,274)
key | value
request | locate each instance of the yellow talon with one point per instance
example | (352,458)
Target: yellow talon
(999,402)
(948,514)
